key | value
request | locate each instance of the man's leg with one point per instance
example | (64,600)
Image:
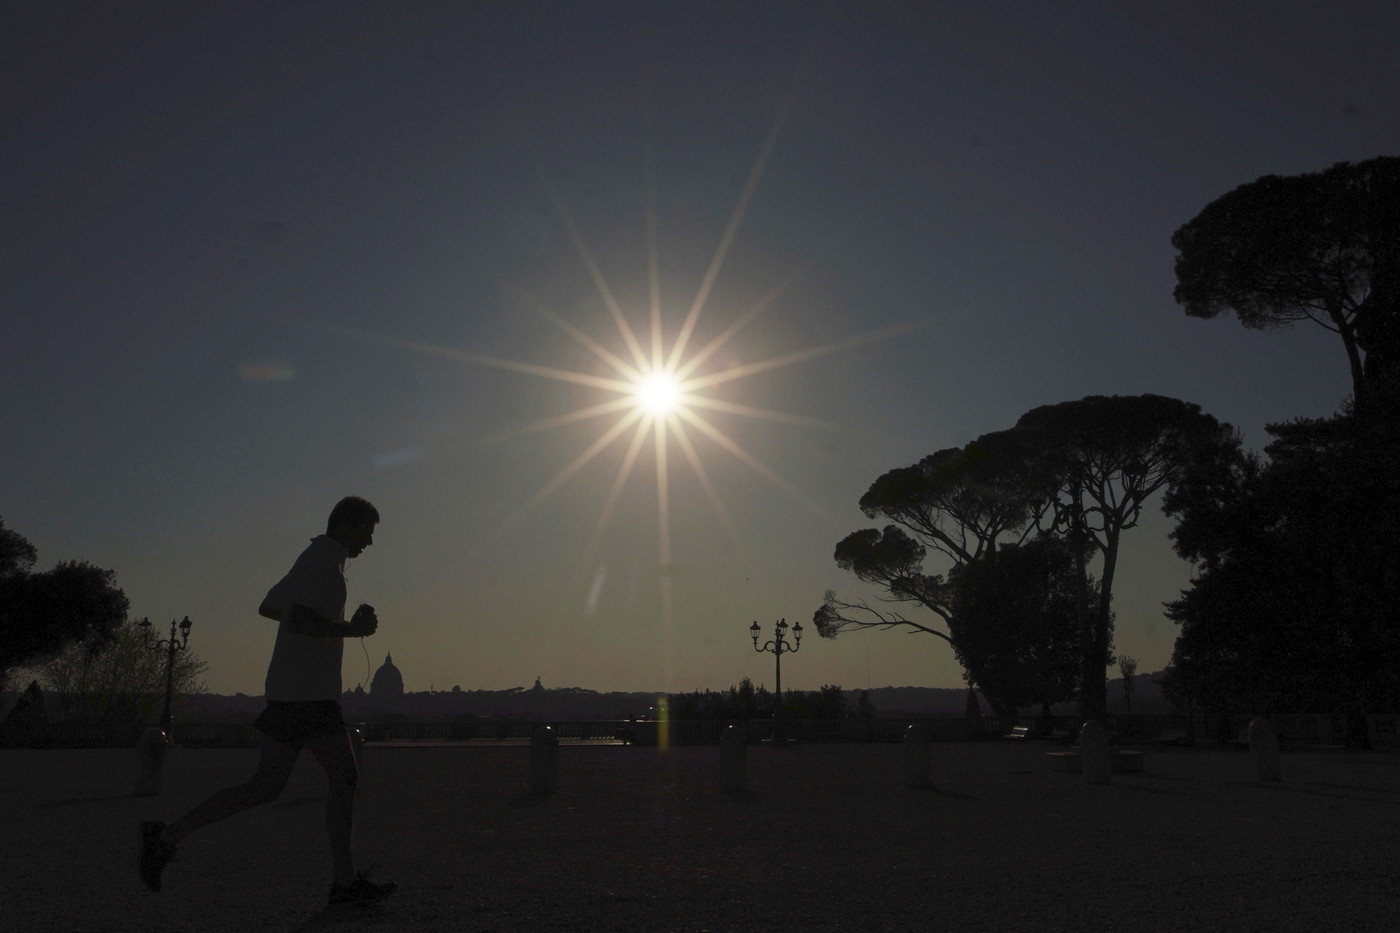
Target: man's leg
(158,841)
(337,759)
(274,768)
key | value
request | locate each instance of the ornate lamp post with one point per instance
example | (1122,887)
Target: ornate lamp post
(169,646)
(777,646)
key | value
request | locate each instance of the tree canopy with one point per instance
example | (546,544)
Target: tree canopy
(957,502)
(1015,624)
(1101,458)
(1082,470)
(1322,247)
(42,613)
(17,555)
(1292,601)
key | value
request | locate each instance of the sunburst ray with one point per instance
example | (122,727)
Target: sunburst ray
(766,414)
(699,359)
(558,421)
(758,466)
(797,356)
(624,472)
(594,271)
(563,476)
(618,364)
(703,477)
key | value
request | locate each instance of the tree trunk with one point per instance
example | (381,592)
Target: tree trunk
(1093,698)
(1094,689)
(1348,333)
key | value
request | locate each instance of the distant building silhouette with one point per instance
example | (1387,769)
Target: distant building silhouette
(387,682)
(537,700)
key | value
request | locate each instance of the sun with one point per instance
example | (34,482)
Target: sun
(659,394)
(651,391)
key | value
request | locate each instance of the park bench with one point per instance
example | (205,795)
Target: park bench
(1020,732)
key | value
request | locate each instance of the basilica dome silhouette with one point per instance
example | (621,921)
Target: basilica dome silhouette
(387,682)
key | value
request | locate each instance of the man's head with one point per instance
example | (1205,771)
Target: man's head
(352,523)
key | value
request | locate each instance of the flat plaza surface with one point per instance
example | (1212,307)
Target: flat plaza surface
(826,837)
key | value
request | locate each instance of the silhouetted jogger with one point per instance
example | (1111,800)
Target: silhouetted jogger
(303,705)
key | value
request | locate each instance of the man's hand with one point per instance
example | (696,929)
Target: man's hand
(364,621)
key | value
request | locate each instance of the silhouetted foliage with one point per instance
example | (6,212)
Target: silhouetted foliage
(1082,470)
(958,502)
(42,613)
(746,701)
(1292,604)
(1321,246)
(827,703)
(743,701)
(17,555)
(1100,459)
(1127,669)
(1016,627)
(121,680)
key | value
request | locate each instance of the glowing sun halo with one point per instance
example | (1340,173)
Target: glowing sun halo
(659,394)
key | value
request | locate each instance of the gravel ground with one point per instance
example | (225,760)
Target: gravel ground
(826,837)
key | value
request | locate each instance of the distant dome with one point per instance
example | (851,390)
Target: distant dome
(387,682)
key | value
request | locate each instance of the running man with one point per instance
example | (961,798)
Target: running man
(303,705)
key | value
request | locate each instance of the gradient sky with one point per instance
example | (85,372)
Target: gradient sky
(259,256)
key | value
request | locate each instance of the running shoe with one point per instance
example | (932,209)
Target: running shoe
(360,891)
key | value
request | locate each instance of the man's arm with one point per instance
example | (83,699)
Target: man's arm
(303,620)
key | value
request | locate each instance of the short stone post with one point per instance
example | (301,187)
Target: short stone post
(918,756)
(544,761)
(733,760)
(150,761)
(1263,748)
(1095,757)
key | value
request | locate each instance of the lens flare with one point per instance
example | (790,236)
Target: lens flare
(659,394)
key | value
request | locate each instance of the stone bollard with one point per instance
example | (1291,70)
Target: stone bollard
(1095,757)
(544,761)
(150,761)
(733,760)
(1263,748)
(918,757)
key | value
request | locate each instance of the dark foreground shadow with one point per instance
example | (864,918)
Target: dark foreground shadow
(1339,791)
(1140,789)
(932,791)
(347,918)
(299,801)
(74,801)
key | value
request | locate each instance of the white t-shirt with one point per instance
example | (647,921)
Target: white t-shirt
(305,668)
